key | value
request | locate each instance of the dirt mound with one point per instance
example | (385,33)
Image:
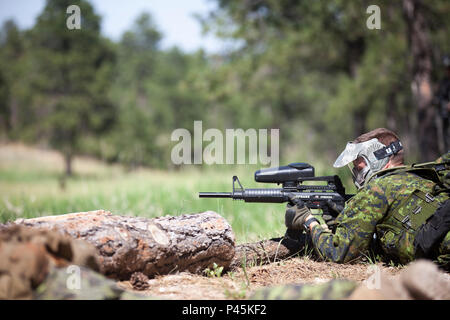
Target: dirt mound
(243,282)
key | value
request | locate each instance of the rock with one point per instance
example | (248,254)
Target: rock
(139,281)
(27,255)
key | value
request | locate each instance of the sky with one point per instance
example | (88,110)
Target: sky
(174,18)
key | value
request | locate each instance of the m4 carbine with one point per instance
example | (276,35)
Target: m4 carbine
(330,198)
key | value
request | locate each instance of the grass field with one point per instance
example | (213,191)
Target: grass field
(30,187)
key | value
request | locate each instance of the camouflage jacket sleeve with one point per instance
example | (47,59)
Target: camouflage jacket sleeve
(355,226)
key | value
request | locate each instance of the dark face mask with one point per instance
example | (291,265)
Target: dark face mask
(359,176)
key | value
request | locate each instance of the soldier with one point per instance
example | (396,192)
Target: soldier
(398,212)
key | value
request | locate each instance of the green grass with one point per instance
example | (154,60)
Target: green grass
(30,187)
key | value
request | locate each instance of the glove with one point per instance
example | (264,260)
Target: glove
(295,216)
(335,210)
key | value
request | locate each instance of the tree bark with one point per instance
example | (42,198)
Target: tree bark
(151,246)
(421,86)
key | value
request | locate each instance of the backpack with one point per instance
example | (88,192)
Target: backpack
(437,171)
(442,168)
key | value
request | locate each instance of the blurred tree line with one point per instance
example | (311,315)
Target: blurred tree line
(310,68)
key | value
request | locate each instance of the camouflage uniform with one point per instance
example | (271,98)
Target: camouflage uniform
(91,286)
(365,215)
(333,290)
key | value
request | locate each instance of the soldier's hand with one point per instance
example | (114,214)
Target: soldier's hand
(296,214)
(335,210)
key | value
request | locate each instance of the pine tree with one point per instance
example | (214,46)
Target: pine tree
(71,76)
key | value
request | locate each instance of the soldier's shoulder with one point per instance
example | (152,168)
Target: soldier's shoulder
(392,180)
(394,175)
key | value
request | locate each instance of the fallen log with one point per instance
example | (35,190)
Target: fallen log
(151,246)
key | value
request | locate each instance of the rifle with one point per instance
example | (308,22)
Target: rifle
(291,177)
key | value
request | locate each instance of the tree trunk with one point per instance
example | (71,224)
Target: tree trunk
(422,90)
(359,122)
(355,51)
(151,246)
(68,163)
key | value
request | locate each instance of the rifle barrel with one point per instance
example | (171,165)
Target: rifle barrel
(215,195)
